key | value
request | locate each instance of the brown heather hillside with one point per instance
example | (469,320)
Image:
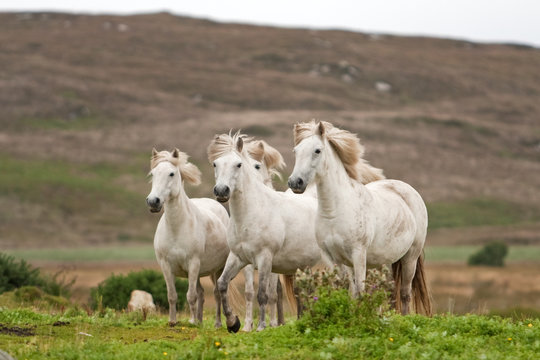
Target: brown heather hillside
(84,99)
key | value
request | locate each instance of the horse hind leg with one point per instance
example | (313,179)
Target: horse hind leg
(408,269)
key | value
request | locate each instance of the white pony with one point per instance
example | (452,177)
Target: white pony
(190,239)
(383,222)
(267,161)
(272,230)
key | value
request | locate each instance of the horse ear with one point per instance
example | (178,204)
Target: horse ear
(154,151)
(321,128)
(239,144)
(176,153)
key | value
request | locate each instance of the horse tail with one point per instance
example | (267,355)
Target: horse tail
(422,295)
(235,298)
(420,291)
(288,281)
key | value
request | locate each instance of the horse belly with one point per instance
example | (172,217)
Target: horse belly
(388,250)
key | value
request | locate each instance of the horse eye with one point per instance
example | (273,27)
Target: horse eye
(171,174)
(317,151)
(257,166)
(239,165)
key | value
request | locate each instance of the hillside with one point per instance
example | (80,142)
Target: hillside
(85,98)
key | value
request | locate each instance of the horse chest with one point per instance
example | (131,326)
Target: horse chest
(339,238)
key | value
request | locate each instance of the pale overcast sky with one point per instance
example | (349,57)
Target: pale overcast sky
(479,20)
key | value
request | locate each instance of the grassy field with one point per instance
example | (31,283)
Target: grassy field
(30,334)
(146,253)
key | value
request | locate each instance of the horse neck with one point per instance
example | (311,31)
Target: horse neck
(334,186)
(178,209)
(247,189)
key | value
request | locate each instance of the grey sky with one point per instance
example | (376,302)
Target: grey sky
(479,20)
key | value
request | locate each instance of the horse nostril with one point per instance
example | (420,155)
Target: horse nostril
(215,191)
(300,182)
(157,200)
(226,191)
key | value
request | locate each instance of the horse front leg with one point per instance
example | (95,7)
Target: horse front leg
(264,265)
(200,301)
(249,293)
(172,296)
(273,298)
(359,268)
(232,268)
(193,278)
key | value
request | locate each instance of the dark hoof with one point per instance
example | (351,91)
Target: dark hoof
(235,327)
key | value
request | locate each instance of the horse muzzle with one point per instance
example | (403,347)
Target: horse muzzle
(154,204)
(297,185)
(222,193)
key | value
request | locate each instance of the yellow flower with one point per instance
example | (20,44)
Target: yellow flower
(226,353)
(530,325)
(183,328)
(509,339)
(391,339)
(165,353)
(217,343)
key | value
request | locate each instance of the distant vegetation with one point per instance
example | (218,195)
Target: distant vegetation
(492,254)
(15,274)
(477,212)
(115,291)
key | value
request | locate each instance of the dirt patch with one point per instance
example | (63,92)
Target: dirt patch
(16,330)
(61,323)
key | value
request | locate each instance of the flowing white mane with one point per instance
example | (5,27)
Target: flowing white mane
(346,145)
(189,172)
(272,159)
(224,143)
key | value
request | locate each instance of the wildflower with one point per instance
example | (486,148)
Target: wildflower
(217,343)
(391,339)
(164,353)
(509,339)
(315,298)
(530,325)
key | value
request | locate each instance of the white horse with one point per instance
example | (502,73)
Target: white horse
(190,239)
(272,230)
(383,222)
(267,161)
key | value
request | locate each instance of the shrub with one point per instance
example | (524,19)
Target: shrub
(492,254)
(16,274)
(115,291)
(328,305)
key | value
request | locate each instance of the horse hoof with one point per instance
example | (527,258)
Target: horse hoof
(235,327)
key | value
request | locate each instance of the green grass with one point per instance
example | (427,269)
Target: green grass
(462,253)
(478,212)
(65,186)
(146,253)
(115,335)
(120,253)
